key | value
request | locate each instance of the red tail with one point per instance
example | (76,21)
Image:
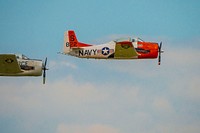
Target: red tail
(73,41)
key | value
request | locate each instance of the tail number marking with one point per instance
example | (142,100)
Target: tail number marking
(72,41)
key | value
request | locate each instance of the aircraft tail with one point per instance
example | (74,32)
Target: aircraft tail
(66,45)
(71,41)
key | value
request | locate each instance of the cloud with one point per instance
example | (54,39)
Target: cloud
(182,72)
(163,105)
(178,128)
(60,64)
(95,128)
(147,98)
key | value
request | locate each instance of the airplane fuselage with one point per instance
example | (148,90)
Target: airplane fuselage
(123,48)
(107,51)
(29,67)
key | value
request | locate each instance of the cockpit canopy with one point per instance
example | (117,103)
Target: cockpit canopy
(137,40)
(21,56)
(128,39)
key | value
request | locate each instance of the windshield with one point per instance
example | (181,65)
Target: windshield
(137,40)
(24,57)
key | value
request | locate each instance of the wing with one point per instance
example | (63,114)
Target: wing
(125,50)
(9,64)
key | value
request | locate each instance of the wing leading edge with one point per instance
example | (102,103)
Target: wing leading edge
(9,64)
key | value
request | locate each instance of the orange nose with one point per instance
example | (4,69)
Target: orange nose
(148,46)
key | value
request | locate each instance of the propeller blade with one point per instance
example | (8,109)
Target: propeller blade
(159,59)
(160,46)
(44,71)
(159,53)
(44,79)
(45,62)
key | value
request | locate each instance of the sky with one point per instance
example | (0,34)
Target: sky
(95,96)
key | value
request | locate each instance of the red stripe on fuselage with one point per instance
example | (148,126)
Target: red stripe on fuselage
(80,44)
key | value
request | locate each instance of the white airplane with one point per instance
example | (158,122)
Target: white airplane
(125,48)
(20,65)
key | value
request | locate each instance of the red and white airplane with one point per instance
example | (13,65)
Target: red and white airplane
(125,48)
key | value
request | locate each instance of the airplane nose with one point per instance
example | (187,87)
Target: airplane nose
(153,46)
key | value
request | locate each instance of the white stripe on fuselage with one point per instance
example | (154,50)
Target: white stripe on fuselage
(95,51)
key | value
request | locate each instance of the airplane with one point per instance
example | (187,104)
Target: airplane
(124,48)
(21,65)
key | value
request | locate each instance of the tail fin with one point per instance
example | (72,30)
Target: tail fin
(66,45)
(72,39)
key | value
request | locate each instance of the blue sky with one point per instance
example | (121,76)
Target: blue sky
(95,96)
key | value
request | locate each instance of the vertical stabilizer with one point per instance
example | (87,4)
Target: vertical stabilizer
(66,45)
(72,39)
(70,42)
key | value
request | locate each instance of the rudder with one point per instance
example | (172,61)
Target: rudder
(70,41)
(73,42)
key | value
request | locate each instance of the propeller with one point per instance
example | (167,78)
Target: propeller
(159,53)
(44,70)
